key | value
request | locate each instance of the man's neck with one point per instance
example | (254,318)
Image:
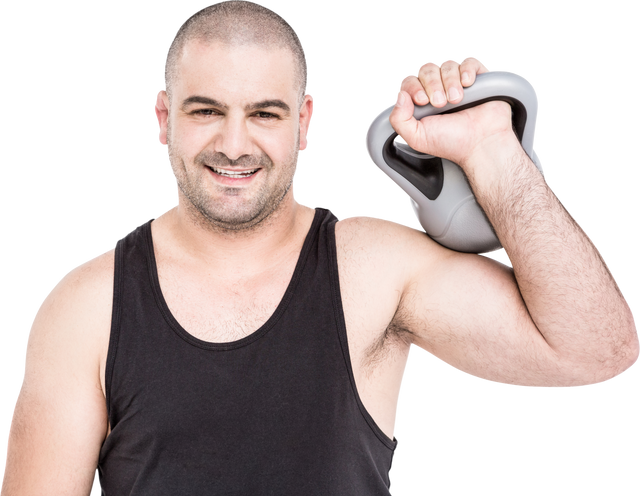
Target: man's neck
(278,235)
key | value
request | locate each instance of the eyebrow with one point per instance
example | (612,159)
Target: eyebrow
(252,106)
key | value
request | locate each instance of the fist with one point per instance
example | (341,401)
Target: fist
(458,136)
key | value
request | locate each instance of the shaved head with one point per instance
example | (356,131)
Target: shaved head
(237,24)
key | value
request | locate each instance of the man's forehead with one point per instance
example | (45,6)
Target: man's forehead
(246,65)
(234,54)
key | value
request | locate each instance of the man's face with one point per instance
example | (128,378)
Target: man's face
(234,128)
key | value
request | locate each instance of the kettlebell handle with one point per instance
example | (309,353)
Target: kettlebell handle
(441,194)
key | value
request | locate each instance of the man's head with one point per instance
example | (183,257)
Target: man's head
(237,23)
(234,114)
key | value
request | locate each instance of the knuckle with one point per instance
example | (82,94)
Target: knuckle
(404,80)
(407,77)
(428,66)
(474,60)
(430,78)
(449,67)
(410,84)
(447,71)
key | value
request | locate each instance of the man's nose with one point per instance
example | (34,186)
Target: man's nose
(233,138)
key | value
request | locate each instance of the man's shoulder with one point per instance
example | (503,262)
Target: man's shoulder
(373,236)
(60,407)
(392,251)
(88,280)
(84,292)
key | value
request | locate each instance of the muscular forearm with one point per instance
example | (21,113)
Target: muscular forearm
(566,286)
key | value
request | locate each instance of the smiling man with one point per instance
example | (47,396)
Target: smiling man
(258,114)
(242,343)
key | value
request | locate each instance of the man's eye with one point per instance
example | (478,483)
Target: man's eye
(208,112)
(205,112)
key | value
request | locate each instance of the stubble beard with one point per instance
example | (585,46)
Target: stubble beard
(231,216)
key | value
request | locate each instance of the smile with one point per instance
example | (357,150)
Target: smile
(233,177)
(228,173)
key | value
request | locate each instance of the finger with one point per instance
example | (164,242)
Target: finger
(431,81)
(401,117)
(412,86)
(450,74)
(469,69)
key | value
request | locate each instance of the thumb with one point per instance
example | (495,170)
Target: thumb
(401,117)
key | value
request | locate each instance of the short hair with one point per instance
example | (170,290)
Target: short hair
(237,23)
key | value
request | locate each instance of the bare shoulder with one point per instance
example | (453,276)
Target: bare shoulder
(60,420)
(377,260)
(92,274)
(379,233)
(88,286)
(82,296)
(400,249)
(74,320)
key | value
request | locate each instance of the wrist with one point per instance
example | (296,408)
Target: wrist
(494,158)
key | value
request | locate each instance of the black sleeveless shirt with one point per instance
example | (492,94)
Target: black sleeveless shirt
(274,413)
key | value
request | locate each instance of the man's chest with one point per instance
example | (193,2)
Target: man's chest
(216,307)
(222,309)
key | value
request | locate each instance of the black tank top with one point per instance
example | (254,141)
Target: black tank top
(274,413)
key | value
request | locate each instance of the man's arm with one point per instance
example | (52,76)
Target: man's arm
(558,317)
(572,297)
(60,420)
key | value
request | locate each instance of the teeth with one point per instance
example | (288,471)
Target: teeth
(233,174)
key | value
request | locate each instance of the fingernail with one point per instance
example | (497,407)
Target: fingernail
(400,101)
(465,77)
(454,94)
(422,97)
(438,98)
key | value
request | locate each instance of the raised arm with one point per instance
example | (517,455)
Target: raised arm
(558,317)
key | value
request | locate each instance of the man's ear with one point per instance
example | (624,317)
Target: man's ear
(162,113)
(305,116)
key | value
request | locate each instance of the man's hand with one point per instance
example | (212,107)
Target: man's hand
(458,136)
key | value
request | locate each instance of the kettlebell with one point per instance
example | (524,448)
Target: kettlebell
(440,192)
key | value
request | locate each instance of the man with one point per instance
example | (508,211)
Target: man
(244,344)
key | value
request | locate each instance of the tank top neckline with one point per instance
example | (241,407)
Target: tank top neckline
(256,334)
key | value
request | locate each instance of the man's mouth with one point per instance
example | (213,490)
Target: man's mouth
(237,174)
